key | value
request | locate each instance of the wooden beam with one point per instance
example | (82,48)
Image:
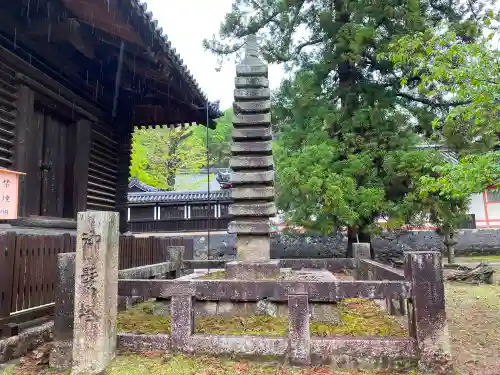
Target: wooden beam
(67,30)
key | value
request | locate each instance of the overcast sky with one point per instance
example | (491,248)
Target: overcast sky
(187,23)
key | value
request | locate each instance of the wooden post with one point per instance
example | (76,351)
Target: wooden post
(81,165)
(7,252)
(428,316)
(96,292)
(125,141)
(25,105)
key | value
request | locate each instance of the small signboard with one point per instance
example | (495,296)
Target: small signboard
(9,193)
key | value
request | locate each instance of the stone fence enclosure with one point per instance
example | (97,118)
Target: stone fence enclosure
(416,292)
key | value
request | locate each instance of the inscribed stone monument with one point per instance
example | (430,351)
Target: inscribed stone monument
(96,291)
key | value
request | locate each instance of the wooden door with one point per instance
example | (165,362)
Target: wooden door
(49,177)
(53,167)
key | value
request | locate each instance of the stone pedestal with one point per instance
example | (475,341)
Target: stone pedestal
(253,271)
(96,291)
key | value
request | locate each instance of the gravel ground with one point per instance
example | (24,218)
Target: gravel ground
(474,323)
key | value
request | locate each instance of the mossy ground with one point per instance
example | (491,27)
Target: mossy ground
(156,363)
(358,318)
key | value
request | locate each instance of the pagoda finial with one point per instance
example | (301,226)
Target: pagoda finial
(251,46)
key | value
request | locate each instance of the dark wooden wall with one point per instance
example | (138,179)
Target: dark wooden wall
(74,156)
(8,113)
(103,169)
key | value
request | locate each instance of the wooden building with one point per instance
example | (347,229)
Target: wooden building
(76,76)
(154,210)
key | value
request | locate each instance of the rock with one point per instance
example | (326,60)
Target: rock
(266,308)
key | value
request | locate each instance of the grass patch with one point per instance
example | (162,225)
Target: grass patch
(215,275)
(358,317)
(204,365)
(483,258)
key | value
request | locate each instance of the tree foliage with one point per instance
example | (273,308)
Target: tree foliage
(218,140)
(159,154)
(467,72)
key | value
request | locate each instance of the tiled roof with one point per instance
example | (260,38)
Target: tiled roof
(157,33)
(448,155)
(178,196)
(140,185)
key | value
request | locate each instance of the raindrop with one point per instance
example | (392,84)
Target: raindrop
(49,32)
(15,37)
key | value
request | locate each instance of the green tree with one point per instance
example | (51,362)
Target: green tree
(217,141)
(347,128)
(159,154)
(447,65)
(444,66)
(447,191)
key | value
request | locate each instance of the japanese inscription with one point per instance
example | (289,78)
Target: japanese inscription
(9,183)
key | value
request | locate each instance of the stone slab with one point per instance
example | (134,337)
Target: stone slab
(253,271)
(257,147)
(238,162)
(261,132)
(249,177)
(257,106)
(267,209)
(252,119)
(260,192)
(252,94)
(251,82)
(251,70)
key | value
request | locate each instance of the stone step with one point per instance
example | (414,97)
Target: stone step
(249,177)
(251,70)
(238,162)
(262,146)
(252,119)
(255,94)
(252,106)
(251,82)
(253,209)
(260,192)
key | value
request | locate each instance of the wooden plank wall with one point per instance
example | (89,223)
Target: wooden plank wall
(28,268)
(8,114)
(103,169)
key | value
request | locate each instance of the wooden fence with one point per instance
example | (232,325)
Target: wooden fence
(28,268)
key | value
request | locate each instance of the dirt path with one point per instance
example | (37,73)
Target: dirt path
(474,323)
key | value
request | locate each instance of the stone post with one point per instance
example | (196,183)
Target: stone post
(96,291)
(361,251)
(428,315)
(62,349)
(252,166)
(299,335)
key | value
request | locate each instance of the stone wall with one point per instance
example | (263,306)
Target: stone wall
(470,242)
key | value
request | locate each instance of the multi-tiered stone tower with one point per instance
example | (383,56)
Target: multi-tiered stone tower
(252,173)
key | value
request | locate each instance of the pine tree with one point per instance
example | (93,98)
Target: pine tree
(348,128)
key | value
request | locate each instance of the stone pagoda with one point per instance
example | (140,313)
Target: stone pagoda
(252,175)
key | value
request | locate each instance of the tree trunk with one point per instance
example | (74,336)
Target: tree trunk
(351,239)
(449,243)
